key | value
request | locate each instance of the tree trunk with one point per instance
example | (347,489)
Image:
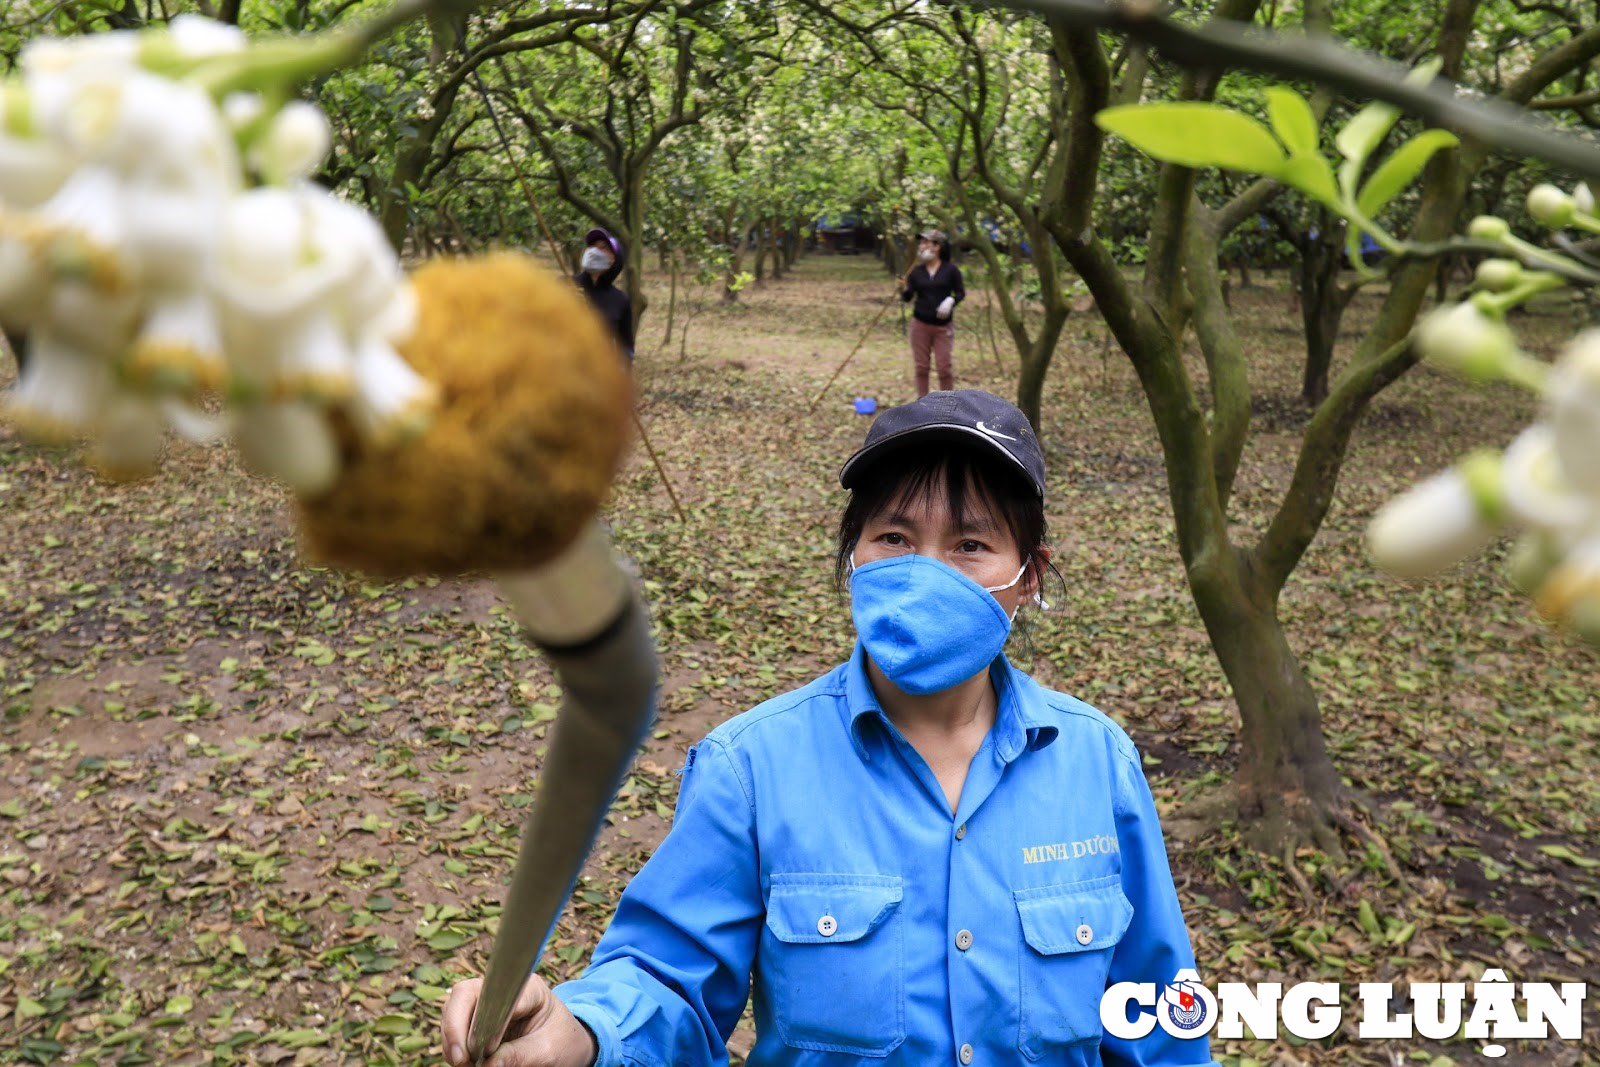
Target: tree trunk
(792,250)
(775,249)
(760,252)
(672,300)
(632,266)
(1285,781)
(1036,362)
(1322,305)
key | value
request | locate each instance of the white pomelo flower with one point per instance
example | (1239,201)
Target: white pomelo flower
(391,400)
(1434,525)
(1537,493)
(1572,396)
(278,287)
(61,391)
(291,442)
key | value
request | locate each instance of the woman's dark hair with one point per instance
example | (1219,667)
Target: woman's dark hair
(914,475)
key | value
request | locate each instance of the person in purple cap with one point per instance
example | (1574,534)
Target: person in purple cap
(598,270)
(921,857)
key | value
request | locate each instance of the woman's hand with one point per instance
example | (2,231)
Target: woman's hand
(542,1032)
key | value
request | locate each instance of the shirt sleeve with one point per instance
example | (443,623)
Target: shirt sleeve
(1156,945)
(911,287)
(671,975)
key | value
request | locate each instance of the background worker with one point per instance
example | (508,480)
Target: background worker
(935,284)
(598,271)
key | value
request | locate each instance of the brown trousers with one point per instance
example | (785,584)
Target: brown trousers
(939,342)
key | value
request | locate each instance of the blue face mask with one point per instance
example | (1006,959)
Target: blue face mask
(925,624)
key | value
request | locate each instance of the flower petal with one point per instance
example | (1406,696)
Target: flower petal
(290,442)
(392,402)
(1537,492)
(1432,526)
(61,391)
(179,348)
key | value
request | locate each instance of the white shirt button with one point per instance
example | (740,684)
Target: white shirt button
(828,924)
(1085,935)
(964,940)
(966,1054)
(961,831)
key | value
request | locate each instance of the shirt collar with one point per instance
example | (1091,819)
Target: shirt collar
(1020,723)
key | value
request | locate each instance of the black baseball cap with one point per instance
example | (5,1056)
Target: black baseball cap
(597,234)
(968,415)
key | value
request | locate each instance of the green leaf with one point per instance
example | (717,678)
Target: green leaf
(28,1008)
(394,1024)
(448,941)
(1365,132)
(1562,852)
(1312,176)
(1195,135)
(1401,168)
(1292,120)
(179,1005)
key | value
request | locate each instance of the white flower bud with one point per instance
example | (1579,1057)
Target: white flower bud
(1583,198)
(1549,206)
(1434,525)
(198,36)
(294,146)
(1498,275)
(241,109)
(1464,340)
(1489,228)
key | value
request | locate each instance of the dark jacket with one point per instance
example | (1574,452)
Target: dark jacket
(612,303)
(929,292)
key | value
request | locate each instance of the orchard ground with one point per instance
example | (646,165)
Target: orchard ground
(256,812)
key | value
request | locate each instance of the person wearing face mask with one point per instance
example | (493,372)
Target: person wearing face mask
(598,269)
(921,857)
(934,283)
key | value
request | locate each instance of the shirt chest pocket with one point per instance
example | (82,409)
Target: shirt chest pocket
(832,962)
(1069,933)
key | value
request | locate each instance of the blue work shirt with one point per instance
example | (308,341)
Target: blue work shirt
(814,850)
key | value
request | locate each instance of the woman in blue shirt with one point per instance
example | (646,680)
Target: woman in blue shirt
(922,857)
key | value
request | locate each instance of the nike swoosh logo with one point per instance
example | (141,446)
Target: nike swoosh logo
(992,433)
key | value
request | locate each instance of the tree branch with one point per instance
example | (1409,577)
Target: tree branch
(1323,61)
